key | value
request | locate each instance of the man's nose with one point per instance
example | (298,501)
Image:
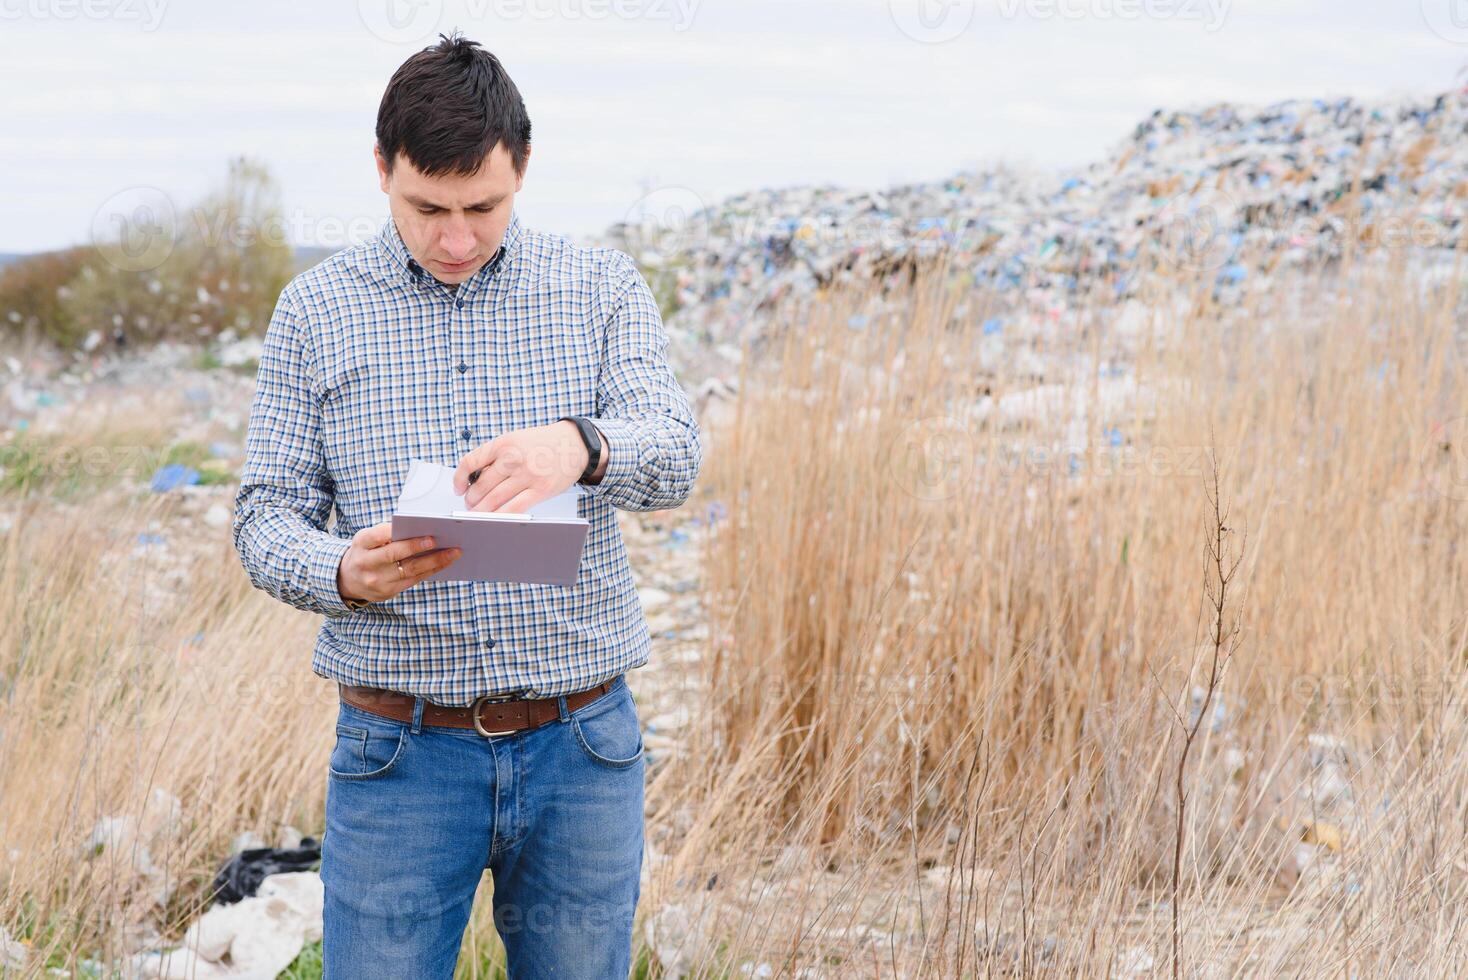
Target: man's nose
(457,240)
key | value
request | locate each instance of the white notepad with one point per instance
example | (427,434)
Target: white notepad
(542,545)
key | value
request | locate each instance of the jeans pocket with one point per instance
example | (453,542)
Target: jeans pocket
(610,736)
(366,750)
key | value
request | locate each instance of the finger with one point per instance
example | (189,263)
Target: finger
(520,502)
(475,459)
(503,492)
(405,548)
(373,537)
(416,568)
(422,567)
(489,478)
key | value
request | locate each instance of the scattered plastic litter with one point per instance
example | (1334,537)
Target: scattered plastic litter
(242,874)
(1234,191)
(13,952)
(1325,834)
(676,937)
(128,843)
(253,939)
(174,475)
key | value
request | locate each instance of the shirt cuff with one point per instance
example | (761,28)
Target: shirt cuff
(629,460)
(326,557)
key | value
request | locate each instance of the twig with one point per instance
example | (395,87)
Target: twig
(1221,565)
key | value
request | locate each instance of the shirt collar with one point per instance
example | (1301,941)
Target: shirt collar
(408,268)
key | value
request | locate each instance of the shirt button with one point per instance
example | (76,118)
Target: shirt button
(458,304)
(462,367)
(464,435)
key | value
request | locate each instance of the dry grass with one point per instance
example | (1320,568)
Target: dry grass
(940,710)
(947,657)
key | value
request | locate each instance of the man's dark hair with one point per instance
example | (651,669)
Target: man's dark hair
(448,106)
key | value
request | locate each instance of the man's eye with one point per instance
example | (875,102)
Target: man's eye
(482,210)
(428,210)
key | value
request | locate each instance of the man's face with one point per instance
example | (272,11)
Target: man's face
(452,224)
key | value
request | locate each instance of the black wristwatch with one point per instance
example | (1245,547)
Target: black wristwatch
(593,445)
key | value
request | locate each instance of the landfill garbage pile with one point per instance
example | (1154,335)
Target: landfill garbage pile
(1224,191)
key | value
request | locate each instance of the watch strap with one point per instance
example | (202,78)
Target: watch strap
(592,441)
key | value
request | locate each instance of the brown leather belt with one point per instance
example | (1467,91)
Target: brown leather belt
(485,714)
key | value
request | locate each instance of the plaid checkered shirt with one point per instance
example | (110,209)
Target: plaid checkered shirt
(368,362)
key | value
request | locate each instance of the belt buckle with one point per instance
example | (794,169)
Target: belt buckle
(474,712)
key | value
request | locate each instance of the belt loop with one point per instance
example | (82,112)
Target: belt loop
(561,710)
(417,714)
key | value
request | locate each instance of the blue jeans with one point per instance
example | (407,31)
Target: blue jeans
(415,814)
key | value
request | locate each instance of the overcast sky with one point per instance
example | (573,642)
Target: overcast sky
(707,96)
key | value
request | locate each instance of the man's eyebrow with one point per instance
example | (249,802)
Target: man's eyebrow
(419,202)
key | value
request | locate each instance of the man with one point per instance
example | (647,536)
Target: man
(482,725)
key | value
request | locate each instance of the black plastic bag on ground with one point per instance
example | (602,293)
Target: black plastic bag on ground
(241,875)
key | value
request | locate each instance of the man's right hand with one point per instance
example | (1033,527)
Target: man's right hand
(370,568)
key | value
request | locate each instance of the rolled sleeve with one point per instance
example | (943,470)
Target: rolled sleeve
(653,440)
(286,492)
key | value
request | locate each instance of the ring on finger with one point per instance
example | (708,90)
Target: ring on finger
(401,573)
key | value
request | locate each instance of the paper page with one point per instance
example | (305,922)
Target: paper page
(429,489)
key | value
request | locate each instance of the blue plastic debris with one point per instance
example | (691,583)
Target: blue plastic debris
(992,326)
(173,475)
(148,538)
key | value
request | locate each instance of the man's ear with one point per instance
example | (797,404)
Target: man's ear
(382,175)
(520,177)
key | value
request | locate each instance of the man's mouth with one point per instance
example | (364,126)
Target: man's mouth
(456,266)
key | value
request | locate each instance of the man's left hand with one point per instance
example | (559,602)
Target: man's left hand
(519,469)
